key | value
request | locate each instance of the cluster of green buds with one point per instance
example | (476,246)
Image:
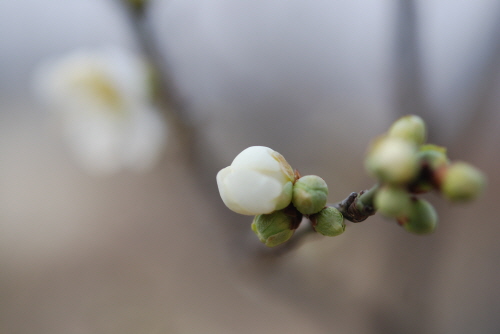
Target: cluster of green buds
(309,197)
(405,167)
(261,183)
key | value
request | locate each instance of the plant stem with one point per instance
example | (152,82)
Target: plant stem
(164,90)
(358,206)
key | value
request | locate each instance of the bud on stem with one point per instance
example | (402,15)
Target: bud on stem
(392,202)
(309,194)
(328,222)
(392,160)
(422,218)
(462,182)
(411,128)
(274,229)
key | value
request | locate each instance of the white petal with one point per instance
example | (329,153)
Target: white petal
(225,193)
(144,140)
(257,158)
(252,191)
(102,97)
(128,72)
(95,144)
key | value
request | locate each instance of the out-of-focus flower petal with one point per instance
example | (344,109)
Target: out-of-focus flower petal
(103,99)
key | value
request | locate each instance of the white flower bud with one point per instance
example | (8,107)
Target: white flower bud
(259,181)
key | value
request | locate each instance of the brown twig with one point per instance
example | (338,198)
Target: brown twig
(164,90)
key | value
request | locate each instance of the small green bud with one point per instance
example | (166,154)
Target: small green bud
(273,229)
(392,202)
(433,155)
(431,159)
(329,222)
(462,182)
(309,194)
(392,160)
(411,128)
(422,218)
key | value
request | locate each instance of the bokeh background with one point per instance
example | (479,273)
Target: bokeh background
(159,253)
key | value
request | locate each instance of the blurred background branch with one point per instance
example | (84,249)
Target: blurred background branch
(409,93)
(483,96)
(137,13)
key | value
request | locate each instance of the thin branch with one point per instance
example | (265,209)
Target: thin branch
(408,85)
(357,207)
(164,88)
(486,90)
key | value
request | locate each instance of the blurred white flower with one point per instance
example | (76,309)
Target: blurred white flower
(259,181)
(103,99)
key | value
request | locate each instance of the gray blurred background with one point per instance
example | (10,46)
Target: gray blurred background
(316,81)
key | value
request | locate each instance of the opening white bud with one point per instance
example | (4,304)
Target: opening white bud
(259,181)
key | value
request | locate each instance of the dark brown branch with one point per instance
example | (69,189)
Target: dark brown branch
(357,207)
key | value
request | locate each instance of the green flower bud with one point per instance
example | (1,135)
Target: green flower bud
(431,159)
(411,128)
(392,160)
(273,229)
(422,218)
(309,194)
(462,182)
(329,222)
(433,155)
(392,202)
